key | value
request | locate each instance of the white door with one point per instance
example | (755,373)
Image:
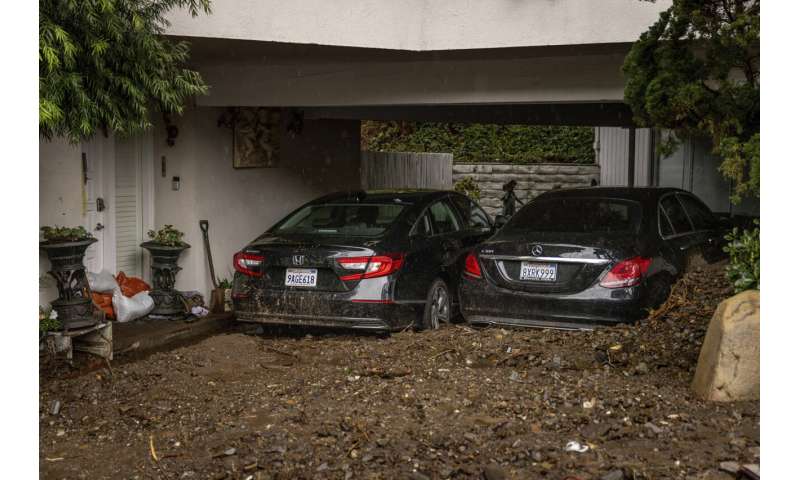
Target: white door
(94,203)
(128,206)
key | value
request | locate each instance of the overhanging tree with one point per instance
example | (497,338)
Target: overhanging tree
(104,63)
(696,73)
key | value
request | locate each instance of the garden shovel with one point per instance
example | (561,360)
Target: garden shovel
(217,294)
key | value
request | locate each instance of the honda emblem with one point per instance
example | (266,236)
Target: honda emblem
(297,259)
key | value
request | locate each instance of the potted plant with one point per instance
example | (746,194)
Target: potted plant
(65,247)
(165,247)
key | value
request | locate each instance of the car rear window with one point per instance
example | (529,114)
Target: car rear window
(577,215)
(341,219)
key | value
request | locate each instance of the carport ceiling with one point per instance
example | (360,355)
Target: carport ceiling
(576,114)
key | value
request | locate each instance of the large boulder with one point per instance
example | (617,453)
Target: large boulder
(728,367)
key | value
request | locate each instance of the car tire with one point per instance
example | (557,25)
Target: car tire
(438,307)
(658,290)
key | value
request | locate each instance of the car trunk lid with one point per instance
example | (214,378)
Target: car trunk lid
(543,262)
(289,261)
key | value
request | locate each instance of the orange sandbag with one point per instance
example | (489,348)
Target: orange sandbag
(103,300)
(130,286)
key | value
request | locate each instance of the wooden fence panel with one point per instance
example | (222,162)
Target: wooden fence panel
(381,170)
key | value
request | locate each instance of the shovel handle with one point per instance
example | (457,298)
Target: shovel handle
(204,226)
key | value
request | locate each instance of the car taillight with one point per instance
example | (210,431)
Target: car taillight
(248,263)
(472,268)
(626,273)
(371,267)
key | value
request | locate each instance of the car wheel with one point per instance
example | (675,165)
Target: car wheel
(658,291)
(439,306)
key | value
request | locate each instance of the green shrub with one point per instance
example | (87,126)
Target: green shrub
(744,248)
(483,142)
(469,187)
(64,234)
(168,235)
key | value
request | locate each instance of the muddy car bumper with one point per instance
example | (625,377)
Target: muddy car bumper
(485,304)
(317,309)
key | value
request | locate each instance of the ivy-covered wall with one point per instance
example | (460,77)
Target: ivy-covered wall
(483,142)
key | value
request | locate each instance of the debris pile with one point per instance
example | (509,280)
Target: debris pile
(458,403)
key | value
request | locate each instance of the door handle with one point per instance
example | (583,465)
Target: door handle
(99,226)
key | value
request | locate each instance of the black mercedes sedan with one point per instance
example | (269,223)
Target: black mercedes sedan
(370,260)
(576,258)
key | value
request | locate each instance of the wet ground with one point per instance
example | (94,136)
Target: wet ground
(455,403)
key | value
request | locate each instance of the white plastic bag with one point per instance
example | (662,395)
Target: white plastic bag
(132,308)
(103,282)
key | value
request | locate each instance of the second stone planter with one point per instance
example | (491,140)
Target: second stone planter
(164,267)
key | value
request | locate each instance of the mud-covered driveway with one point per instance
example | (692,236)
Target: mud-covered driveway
(455,403)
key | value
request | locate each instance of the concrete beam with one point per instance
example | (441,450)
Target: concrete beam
(558,78)
(576,114)
(423,25)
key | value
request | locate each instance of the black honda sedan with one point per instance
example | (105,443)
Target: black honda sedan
(379,260)
(591,256)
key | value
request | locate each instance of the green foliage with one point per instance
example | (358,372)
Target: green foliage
(168,235)
(696,73)
(104,63)
(48,320)
(64,234)
(469,187)
(224,283)
(482,142)
(744,248)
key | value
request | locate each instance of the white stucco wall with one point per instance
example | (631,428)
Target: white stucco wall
(60,198)
(241,203)
(238,203)
(424,24)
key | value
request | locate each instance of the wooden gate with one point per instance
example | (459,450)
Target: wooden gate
(381,170)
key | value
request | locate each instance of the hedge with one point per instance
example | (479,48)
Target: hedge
(483,142)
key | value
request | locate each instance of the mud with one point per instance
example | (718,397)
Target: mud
(455,403)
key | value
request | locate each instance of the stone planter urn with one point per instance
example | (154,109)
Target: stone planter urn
(74,302)
(164,267)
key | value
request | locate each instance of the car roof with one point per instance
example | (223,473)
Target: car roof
(400,195)
(639,194)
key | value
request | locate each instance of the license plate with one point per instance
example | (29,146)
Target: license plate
(541,272)
(301,277)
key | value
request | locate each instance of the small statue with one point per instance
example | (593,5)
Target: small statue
(510,199)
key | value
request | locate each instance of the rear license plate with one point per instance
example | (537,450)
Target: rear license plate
(301,277)
(541,272)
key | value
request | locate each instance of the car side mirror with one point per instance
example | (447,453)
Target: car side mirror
(500,220)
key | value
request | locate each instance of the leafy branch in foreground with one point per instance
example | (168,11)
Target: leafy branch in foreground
(696,72)
(104,63)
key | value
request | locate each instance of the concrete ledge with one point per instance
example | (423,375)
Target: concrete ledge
(149,335)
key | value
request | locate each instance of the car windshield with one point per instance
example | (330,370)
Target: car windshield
(579,215)
(341,219)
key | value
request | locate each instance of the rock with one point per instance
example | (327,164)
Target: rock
(230,451)
(493,472)
(55,407)
(653,428)
(738,442)
(642,368)
(728,367)
(730,467)
(614,475)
